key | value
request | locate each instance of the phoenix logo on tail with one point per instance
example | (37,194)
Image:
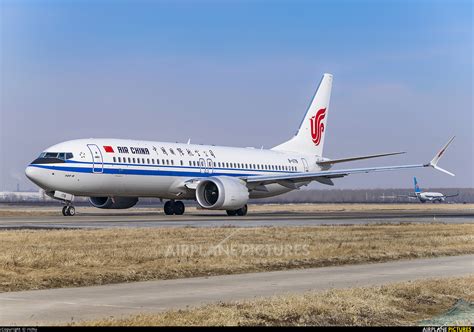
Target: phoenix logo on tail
(317,127)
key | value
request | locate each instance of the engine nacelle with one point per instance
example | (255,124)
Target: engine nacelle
(113,202)
(222,193)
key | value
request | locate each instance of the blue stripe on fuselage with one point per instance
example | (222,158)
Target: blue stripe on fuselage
(135,171)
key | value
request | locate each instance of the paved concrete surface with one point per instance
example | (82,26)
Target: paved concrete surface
(217,219)
(75,304)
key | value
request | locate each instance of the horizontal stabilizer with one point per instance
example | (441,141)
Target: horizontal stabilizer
(344,160)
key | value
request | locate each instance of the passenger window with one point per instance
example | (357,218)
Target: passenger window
(148,161)
(172,162)
(133,160)
(162,161)
(114,159)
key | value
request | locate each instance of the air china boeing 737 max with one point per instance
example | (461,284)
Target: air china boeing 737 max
(114,173)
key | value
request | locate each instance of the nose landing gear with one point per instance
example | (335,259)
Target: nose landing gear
(69,210)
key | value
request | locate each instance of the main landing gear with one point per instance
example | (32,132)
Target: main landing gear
(174,207)
(239,212)
(69,210)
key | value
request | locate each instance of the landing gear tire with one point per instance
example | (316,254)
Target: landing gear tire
(179,208)
(239,212)
(169,208)
(68,211)
(231,212)
(71,211)
(242,211)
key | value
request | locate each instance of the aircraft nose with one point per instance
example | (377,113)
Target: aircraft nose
(32,174)
(29,172)
(38,177)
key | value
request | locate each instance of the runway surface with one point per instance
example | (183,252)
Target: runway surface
(218,219)
(65,305)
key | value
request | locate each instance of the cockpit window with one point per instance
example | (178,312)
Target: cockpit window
(57,155)
(49,155)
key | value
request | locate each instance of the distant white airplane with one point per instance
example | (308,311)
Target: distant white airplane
(425,196)
(114,173)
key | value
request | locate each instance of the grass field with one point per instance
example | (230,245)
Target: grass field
(395,304)
(62,258)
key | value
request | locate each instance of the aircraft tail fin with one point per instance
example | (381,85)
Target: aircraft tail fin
(310,136)
(417,187)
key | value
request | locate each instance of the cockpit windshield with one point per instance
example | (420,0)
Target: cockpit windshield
(57,155)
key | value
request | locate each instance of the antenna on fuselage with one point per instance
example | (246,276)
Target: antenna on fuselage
(189,141)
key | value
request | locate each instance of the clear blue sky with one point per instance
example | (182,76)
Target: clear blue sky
(240,73)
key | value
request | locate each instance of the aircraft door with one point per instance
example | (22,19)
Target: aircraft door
(202,165)
(210,165)
(97,160)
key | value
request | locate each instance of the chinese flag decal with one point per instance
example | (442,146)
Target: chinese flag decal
(108,149)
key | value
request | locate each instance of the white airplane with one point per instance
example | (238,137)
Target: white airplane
(115,173)
(425,196)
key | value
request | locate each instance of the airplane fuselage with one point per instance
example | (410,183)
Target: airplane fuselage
(131,168)
(431,197)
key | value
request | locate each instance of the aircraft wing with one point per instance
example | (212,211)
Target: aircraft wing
(451,195)
(409,196)
(292,180)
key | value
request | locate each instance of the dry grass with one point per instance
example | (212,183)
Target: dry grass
(394,304)
(24,210)
(63,258)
